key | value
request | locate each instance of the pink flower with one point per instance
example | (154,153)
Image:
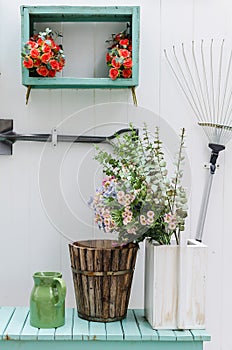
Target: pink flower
(107,229)
(131,230)
(107,221)
(97,218)
(113,73)
(150,221)
(126,220)
(172,225)
(167,218)
(170,219)
(143,220)
(120,196)
(127,209)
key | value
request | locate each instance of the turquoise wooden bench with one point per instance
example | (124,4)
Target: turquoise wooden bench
(78,334)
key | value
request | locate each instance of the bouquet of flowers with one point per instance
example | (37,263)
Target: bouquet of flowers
(42,56)
(137,198)
(119,56)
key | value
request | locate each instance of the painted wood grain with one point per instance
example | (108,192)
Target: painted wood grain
(16,324)
(170,295)
(134,329)
(28,332)
(5,316)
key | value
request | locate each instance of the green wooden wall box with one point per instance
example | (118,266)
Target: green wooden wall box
(39,14)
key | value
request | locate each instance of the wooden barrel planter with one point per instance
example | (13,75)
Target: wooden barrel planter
(102,276)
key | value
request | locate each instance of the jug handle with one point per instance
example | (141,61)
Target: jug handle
(61,289)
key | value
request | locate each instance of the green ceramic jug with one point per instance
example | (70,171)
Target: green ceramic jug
(47,301)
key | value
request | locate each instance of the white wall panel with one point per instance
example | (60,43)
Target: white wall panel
(44,191)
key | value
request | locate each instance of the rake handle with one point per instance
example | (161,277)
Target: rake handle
(216,148)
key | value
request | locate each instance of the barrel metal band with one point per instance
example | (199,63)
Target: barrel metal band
(102,273)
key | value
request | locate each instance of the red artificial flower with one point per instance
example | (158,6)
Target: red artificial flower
(128,63)
(40,41)
(54,64)
(46,57)
(46,48)
(28,62)
(42,70)
(115,63)
(118,37)
(113,73)
(53,44)
(124,42)
(37,62)
(108,57)
(61,64)
(32,44)
(34,53)
(119,56)
(52,73)
(124,53)
(56,47)
(126,73)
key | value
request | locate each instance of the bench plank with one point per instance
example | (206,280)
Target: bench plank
(183,335)
(28,332)
(130,328)
(46,334)
(146,331)
(97,331)
(114,331)
(166,335)
(200,334)
(15,325)
(66,331)
(6,313)
(80,328)
(13,330)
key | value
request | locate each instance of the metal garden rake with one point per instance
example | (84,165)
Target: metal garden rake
(206,81)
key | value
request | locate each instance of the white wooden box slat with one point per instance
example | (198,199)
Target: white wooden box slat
(165,282)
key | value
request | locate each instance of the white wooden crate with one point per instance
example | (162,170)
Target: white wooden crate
(175,285)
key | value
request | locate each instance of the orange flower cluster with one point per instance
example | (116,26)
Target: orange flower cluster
(42,56)
(119,56)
